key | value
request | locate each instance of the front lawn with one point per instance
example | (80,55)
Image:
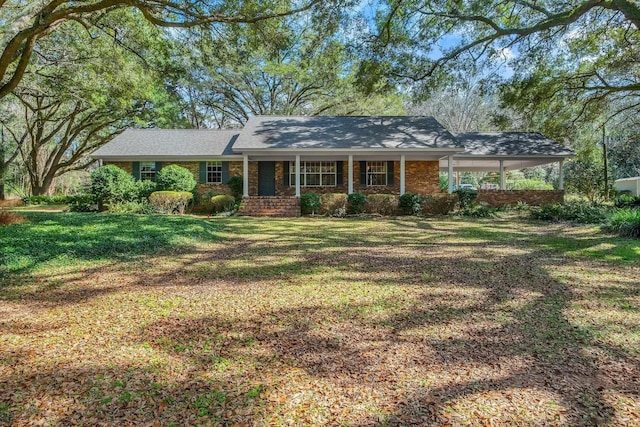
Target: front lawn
(124,319)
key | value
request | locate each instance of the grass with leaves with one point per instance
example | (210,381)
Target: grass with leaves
(116,319)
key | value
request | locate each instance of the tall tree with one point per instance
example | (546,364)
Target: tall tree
(23,24)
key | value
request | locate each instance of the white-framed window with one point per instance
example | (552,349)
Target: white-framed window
(376,173)
(314,174)
(214,172)
(148,171)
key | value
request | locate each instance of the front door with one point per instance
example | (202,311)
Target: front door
(266,178)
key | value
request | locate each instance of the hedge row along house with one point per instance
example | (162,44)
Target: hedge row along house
(280,158)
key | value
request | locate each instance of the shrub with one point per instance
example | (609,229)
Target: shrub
(112,185)
(8,218)
(55,200)
(481,210)
(466,197)
(625,222)
(439,204)
(530,184)
(175,178)
(135,207)
(236,186)
(170,201)
(382,204)
(626,201)
(309,203)
(222,203)
(355,203)
(410,203)
(333,204)
(144,189)
(579,212)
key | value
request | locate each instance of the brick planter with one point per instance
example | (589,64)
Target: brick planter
(497,198)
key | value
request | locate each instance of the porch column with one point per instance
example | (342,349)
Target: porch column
(502,175)
(450,173)
(402,158)
(560,175)
(350,177)
(297,175)
(245,176)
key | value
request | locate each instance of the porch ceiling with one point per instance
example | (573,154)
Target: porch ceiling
(490,164)
(338,155)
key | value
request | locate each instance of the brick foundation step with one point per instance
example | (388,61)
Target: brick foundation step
(276,206)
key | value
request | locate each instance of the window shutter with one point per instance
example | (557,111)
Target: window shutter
(390,176)
(363,173)
(225,172)
(203,173)
(136,170)
(158,167)
(339,171)
(285,174)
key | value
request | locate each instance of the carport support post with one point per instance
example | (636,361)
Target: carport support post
(245,176)
(560,175)
(402,158)
(502,174)
(297,175)
(450,173)
(350,177)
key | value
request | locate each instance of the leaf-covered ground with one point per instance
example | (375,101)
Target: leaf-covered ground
(132,320)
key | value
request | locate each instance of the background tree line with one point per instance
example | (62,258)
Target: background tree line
(73,75)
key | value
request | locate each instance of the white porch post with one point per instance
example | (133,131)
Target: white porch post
(402,158)
(560,175)
(502,175)
(450,173)
(245,176)
(350,177)
(297,175)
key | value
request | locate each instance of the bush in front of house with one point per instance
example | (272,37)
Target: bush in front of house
(381,204)
(466,197)
(626,201)
(132,207)
(624,222)
(309,203)
(175,178)
(144,189)
(110,184)
(410,204)
(355,203)
(170,202)
(578,212)
(222,203)
(480,210)
(333,204)
(236,186)
(437,204)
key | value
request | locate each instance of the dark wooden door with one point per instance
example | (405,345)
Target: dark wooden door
(266,178)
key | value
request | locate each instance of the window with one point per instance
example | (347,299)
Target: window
(148,171)
(214,172)
(376,173)
(314,174)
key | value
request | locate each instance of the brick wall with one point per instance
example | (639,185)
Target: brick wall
(422,177)
(498,198)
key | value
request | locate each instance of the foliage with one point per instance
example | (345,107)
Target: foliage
(56,200)
(309,203)
(625,222)
(529,184)
(236,186)
(481,210)
(355,203)
(466,197)
(131,207)
(170,202)
(381,204)
(88,205)
(144,189)
(627,201)
(585,177)
(222,203)
(333,204)
(578,212)
(439,204)
(410,203)
(175,178)
(9,218)
(110,184)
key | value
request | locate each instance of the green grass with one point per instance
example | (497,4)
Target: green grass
(181,320)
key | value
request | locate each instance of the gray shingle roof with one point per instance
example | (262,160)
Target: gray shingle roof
(291,132)
(511,144)
(169,142)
